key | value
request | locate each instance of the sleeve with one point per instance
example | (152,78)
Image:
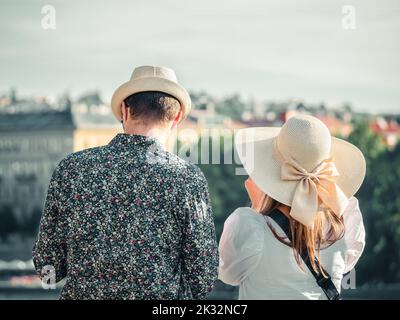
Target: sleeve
(200,249)
(240,247)
(354,234)
(49,250)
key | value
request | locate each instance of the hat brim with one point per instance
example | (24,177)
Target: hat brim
(150,84)
(265,170)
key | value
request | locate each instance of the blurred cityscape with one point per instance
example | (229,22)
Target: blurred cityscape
(37,132)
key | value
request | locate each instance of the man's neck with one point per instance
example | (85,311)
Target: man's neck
(161,133)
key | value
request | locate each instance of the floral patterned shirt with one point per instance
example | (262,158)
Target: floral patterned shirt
(128,220)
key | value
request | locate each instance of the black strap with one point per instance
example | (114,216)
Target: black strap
(326,284)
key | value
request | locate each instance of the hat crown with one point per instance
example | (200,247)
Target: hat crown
(305,139)
(152,71)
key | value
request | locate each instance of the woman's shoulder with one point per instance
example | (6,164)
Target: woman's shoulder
(246,222)
(352,214)
(246,227)
(245,215)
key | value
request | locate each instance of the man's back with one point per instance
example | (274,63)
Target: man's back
(128,221)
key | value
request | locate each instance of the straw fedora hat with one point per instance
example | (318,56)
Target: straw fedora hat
(301,165)
(151,78)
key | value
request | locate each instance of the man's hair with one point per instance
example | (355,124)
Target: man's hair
(153,106)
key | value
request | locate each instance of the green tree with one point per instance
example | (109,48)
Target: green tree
(380,204)
(370,144)
(226,188)
(379,198)
(232,107)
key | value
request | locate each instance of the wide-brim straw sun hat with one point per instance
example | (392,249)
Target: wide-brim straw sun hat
(151,78)
(301,165)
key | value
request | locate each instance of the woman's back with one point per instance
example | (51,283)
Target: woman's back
(265,268)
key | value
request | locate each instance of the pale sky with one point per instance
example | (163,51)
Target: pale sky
(265,49)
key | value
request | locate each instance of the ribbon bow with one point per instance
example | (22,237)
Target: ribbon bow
(311,186)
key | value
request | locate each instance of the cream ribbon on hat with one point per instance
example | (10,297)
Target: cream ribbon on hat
(313,185)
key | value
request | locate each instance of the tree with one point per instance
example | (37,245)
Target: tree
(370,144)
(379,198)
(232,107)
(380,203)
(227,190)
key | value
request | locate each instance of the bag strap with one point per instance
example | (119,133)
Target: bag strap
(326,284)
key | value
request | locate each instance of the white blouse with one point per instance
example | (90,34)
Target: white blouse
(265,268)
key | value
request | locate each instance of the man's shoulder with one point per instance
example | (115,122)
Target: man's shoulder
(193,171)
(81,157)
(187,168)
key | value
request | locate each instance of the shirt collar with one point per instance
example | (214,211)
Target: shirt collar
(125,139)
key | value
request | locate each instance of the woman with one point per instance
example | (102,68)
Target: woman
(304,229)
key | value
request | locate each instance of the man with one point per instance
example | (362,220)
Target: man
(129,220)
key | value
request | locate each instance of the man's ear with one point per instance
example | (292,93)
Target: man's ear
(124,112)
(177,119)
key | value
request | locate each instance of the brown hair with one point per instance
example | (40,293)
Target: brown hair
(153,106)
(304,238)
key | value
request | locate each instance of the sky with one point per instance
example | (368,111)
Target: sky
(262,49)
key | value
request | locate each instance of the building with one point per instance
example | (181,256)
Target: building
(387,128)
(337,121)
(94,125)
(32,143)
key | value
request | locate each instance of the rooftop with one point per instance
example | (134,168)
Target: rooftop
(36,121)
